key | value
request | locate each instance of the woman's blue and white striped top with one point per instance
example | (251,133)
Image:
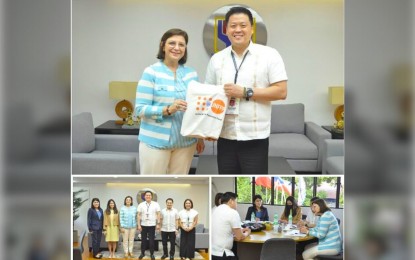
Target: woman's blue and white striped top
(128,217)
(156,89)
(328,232)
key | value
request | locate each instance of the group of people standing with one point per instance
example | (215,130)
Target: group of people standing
(147,218)
(320,223)
(103,222)
(252,76)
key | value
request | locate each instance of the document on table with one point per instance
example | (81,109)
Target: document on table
(295,233)
(290,227)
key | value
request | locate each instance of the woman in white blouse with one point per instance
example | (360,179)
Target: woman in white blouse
(188,221)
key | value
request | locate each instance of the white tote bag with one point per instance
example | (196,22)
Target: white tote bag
(206,107)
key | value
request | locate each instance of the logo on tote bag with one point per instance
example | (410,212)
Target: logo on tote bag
(203,103)
(218,106)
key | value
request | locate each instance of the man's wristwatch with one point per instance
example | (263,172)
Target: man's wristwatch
(249,93)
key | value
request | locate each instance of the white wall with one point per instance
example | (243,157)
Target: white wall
(221,184)
(198,193)
(116,40)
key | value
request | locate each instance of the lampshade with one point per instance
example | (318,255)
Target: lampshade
(336,95)
(122,90)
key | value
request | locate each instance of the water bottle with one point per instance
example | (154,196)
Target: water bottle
(290,219)
(253,217)
(275,221)
(282,227)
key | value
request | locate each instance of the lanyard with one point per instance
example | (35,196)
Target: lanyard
(188,218)
(236,68)
(148,206)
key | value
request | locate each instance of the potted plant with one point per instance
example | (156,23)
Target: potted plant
(77,203)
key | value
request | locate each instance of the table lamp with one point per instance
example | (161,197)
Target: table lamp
(124,91)
(336,97)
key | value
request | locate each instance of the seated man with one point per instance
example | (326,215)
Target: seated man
(226,227)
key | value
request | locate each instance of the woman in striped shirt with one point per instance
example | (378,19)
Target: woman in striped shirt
(327,231)
(128,224)
(160,103)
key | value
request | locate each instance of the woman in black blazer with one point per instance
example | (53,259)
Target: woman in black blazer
(95,223)
(261,212)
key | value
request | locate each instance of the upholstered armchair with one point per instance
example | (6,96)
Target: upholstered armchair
(101,154)
(300,142)
(333,162)
(202,237)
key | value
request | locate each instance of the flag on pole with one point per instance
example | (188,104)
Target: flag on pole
(301,191)
(263,181)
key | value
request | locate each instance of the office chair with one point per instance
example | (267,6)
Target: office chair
(278,248)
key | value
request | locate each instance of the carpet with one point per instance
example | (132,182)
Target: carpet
(137,252)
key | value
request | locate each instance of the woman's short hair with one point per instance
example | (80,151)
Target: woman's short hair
(322,204)
(257,196)
(92,203)
(172,32)
(184,203)
(125,200)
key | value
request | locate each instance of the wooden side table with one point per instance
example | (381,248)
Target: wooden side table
(335,134)
(111,128)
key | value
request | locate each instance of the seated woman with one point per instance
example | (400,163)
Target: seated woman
(261,212)
(312,218)
(327,231)
(291,207)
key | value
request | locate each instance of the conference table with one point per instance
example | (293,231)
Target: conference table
(250,247)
